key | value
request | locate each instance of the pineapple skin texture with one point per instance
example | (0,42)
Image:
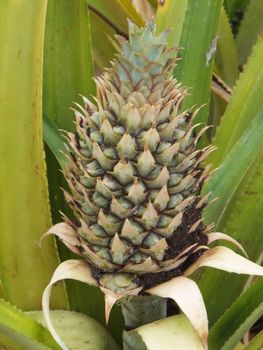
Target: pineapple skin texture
(134,171)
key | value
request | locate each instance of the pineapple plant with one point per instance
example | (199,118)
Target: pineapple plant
(135,175)
(47,57)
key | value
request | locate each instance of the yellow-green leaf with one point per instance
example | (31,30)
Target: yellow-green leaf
(237,320)
(170,15)
(237,212)
(25,268)
(18,331)
(251,27)
(198,42)
(226,62)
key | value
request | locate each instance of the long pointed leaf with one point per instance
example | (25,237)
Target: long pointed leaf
(238,183)
(109,18)
(242,108)
(54,140)
(24,206)
(68,64)
(226,55)
(198,43)
(116,13)
(170,15)
(251,27)
(20,332)
(103,44)
(229,176)
(238,319)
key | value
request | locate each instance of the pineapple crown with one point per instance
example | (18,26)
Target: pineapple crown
(144,56)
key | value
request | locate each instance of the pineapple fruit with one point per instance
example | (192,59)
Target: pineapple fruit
(134,171)
(135,177)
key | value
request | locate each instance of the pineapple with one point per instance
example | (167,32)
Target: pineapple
(135,177)
(133,169)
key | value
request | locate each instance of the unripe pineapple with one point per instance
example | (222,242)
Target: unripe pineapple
(134,171)
(135,177)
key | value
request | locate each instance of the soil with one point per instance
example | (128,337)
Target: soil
(149,280)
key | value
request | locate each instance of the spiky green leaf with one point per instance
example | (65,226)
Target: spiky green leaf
(199,36)
(251,27)
(237,320)
(242,108)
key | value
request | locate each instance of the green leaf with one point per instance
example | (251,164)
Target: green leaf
(238,319)
(24,209)
(79,331)
(256,343)
(226,54)
(54,140)
(246,101)
(109,18)
(116,13)
(226,180)
(251,27)
(103,41)
(198,41)
(18,331)
(226,67)
(174,332)
(237,212)
(170,15)
(68,63)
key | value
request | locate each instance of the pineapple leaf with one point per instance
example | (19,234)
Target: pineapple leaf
(170,15)
(225,259)
(199,36)
(242,108)
(20,332)
(238,319)
(251,27)
(103,42)
(109,18)
(226,62)
(241,217)
(54,140)
(186,294)
(216,236)
(24,212)
(174,332)
(69,269)
(67,56)
(115,13)
(226,180)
